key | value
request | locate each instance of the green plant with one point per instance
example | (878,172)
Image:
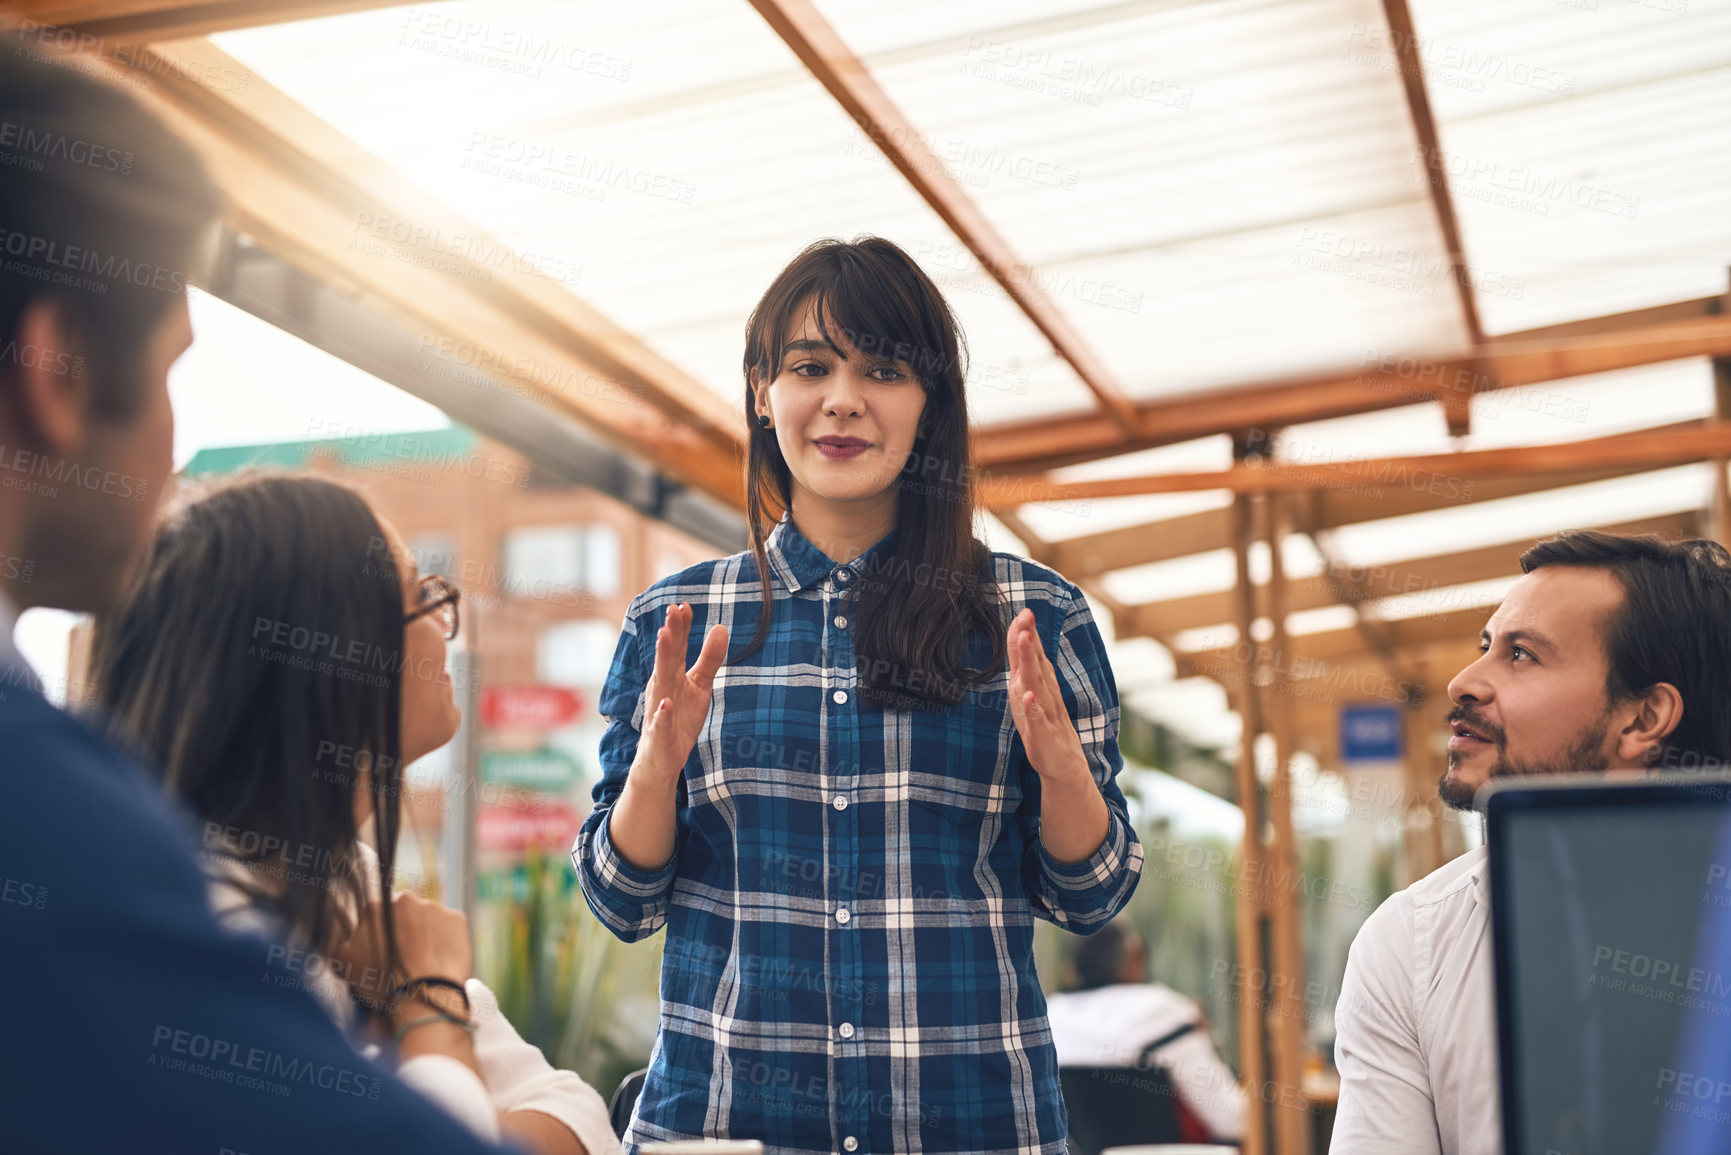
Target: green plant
(562,979)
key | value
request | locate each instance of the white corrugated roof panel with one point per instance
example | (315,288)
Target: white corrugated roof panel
(1213,193)
(680,178)
(1588,148)
(1597,405)
(1662,491)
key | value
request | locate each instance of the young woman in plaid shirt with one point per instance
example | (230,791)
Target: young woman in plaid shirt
(849,824)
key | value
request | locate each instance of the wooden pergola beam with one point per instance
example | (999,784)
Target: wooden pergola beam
(1432,577)
(845,76)
(1313,656)
(301,189)
(1457,406)
(1454,473)
(1632,319)
(1383,380)
(1090,554)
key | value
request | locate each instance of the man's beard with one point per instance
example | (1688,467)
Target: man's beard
(1585,755)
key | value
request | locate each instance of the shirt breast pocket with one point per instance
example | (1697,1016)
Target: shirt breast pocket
(760,738)
(967,766)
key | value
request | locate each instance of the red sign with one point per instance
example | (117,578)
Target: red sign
(552,826)
(529,707)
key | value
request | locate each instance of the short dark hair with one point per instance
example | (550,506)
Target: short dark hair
(1098,959)
(1674,626)
(106,212)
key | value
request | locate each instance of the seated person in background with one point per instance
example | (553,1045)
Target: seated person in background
(277,656)
(134,1022)
(1113,1016)
(1610,654)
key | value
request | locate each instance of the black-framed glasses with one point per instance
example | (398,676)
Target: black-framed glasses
(437,596)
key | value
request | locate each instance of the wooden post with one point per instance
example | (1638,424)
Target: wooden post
(1287,1034)
(1421,838)
(1252,960)
(1721,517)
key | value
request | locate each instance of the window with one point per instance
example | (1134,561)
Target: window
(601,563)
(576,653)
(559,561)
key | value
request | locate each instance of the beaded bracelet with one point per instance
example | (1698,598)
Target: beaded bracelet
(435,1017)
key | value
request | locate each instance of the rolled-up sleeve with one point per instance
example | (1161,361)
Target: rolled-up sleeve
(1084,896)
(631,903)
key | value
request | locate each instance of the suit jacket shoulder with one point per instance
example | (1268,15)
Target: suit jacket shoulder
(127,997)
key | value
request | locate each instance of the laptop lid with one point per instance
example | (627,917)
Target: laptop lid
(1611,931)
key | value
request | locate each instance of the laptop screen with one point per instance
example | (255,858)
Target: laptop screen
(1611,924)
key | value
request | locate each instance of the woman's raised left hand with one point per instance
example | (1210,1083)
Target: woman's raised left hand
(1037,705)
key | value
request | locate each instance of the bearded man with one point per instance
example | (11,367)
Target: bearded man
(1610,655)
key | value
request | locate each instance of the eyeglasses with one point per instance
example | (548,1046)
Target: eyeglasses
(437,596)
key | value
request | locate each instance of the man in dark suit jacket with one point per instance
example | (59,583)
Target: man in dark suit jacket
(130,1021)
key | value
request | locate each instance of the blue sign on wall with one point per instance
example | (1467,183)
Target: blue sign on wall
(1370,733)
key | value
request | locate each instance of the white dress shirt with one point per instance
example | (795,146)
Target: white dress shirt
(1111,1026)
(1416,1025)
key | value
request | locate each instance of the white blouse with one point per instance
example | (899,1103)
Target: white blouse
(515,1076)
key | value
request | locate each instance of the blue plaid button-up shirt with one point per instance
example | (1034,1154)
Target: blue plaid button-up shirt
(849,963)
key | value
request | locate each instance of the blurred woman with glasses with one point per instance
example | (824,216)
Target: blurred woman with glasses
(280,659)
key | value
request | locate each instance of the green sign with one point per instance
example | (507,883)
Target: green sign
(553,771)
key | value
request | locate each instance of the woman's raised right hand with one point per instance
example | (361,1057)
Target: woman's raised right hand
(432,939)
(677,700)
(432,942)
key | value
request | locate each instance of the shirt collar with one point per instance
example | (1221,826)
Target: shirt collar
(1481,876)
(799,563)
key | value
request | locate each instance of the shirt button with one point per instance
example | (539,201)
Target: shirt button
(844,575)
(840,622)
(839,802)
(850,1143)
(840,696)
(846,1032)
(842,916)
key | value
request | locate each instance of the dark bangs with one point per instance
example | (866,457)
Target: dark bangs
(869,294)
(924,641)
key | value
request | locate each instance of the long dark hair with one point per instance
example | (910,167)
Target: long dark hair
(1674,626)
(934,591)
(256,659)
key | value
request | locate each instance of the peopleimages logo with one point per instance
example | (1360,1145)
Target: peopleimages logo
(45,472)
(57,146)
(36,357)
(142,62)
(226,1061)
(40,257)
